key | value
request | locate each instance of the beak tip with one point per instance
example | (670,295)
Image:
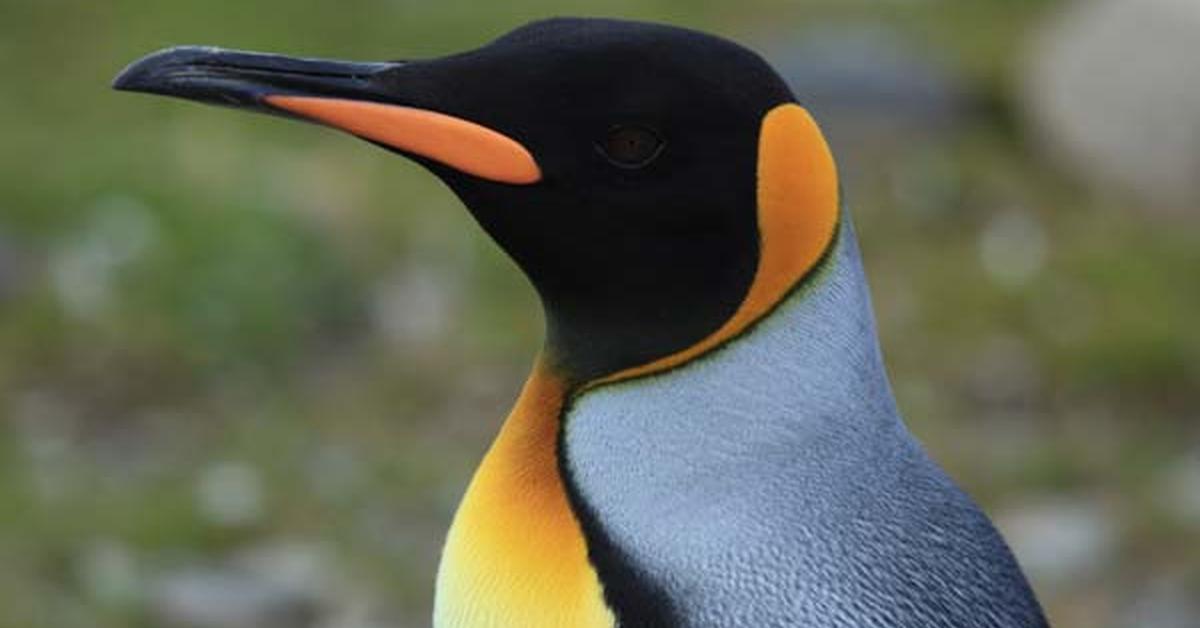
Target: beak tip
(149,72)
(128,79)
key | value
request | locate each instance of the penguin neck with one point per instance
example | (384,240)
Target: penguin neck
(822,338)
(811,366)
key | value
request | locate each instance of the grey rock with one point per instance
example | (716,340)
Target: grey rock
(1179,492)
(1164,603)
(1113,88)
(279,584)
(300,566)
(866,70)
(227,598)
(1060,541)
(361,614)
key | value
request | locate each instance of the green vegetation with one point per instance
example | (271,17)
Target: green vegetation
(183,289)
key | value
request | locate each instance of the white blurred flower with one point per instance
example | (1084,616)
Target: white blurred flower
(230,494)
(1180,492)
(83,267)
(110,574)
(415,307)
(1012,247)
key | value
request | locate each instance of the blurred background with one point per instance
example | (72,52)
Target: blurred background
(247,365)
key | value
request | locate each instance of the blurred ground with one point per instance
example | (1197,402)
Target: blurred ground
(246,366)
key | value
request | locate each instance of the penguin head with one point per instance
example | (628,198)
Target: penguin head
(617,163)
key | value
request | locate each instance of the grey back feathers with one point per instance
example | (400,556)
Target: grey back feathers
(773,483)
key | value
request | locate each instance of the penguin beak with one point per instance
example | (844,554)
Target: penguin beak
(345,95)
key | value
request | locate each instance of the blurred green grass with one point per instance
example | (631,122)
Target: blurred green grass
(192,287)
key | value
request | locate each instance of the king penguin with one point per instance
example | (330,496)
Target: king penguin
(708,437)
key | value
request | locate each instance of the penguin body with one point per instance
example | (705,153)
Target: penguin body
(708,438)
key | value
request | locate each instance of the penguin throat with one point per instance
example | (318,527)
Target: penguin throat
(604,331)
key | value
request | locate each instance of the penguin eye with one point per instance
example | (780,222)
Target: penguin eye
(631,146)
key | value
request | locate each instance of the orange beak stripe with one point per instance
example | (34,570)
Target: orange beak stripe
(462,145)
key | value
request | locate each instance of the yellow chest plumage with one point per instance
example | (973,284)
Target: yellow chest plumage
(516,555)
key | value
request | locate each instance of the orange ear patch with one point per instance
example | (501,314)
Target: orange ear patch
(460,144)
(797,207)
(797,216)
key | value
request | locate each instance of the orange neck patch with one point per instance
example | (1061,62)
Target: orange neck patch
(516,554)
(797,217)
(462,145)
